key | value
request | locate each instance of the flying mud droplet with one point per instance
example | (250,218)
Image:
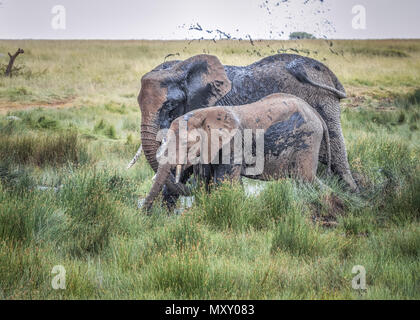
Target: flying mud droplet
(282,16)
(170,55)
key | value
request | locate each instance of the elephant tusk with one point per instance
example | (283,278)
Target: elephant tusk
(178,172)
(154,178)
(137,155)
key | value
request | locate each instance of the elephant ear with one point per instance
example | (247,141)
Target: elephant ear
(205,80)
(221,126)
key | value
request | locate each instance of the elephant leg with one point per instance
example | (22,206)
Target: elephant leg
(339,160)
(169,198)
(202,172)
(226,171)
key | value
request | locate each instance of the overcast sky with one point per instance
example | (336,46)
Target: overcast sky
(172,19)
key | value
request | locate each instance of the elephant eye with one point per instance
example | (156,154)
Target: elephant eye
(175,94)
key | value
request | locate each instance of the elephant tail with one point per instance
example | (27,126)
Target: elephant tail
(297,69)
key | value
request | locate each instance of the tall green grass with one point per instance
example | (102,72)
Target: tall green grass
(292,240)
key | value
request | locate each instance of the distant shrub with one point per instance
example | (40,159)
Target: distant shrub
(300,36)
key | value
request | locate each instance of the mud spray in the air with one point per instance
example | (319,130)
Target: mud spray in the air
(281,17)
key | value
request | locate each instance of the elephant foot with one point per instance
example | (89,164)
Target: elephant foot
(169,198)
(348,179)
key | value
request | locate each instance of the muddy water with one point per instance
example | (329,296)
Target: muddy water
(251,188)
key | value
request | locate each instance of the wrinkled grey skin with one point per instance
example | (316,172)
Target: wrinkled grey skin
(177,87)
(293,132)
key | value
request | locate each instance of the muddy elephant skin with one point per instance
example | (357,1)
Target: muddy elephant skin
(177,87)
(292,135)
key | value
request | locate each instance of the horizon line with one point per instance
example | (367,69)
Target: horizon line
(246,40)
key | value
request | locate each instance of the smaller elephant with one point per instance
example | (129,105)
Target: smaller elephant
(291,129)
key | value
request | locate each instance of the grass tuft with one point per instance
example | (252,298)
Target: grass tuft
(91,213)
(42,150)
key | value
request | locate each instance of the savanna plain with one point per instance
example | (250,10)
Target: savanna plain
(69,125)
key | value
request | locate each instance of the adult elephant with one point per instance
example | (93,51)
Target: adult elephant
(177,87)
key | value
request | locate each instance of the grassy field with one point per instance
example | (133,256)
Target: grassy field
(69,124)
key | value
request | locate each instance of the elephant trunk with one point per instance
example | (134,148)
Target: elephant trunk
(162,175)
(150,144)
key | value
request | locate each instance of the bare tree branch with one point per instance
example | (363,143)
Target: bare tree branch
(11,61)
